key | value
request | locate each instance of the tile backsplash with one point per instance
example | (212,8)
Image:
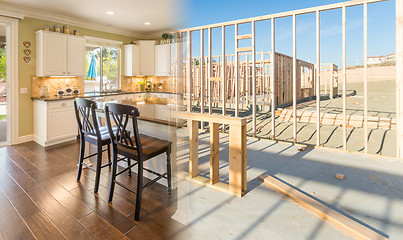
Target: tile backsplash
(158,83)
(54,83)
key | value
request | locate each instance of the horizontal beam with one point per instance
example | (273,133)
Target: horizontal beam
(285,14)
(244,49)
(214,118)
(246,36)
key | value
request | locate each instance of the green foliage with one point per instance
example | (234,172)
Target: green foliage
(110,63)
(3,63)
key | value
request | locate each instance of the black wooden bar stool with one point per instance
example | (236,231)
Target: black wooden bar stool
(138,147)
(91,132)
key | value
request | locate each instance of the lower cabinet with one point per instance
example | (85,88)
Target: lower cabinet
(54,122)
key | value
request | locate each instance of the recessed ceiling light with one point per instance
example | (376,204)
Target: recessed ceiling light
(110,13)
(147,23)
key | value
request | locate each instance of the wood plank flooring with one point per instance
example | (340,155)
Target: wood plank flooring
(40,199)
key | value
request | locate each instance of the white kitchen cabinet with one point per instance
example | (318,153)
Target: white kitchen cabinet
(139,60)
(59,54)
(75,56)
(132,60)
(54,122)
(163,60)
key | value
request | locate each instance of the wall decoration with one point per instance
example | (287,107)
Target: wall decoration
(27,59)
(26,44)
(27,52)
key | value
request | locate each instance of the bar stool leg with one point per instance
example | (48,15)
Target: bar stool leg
(169,179)
(109,154)
(81,158)
(130,170)
(139,189)
(98,168)
(113,175)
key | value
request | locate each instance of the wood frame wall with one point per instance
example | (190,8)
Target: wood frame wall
(318,75)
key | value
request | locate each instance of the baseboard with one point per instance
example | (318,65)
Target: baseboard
(26,138)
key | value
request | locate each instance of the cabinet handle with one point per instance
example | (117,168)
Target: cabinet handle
(63,104)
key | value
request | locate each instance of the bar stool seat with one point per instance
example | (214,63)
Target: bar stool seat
(151,147)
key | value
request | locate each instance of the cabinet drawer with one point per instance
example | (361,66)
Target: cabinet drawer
(61,104)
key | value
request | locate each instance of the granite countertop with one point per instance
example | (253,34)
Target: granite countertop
(91,95)
(147,111)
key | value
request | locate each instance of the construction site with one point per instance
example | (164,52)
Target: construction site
(381,118)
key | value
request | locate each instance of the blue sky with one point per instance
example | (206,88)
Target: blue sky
(381,28)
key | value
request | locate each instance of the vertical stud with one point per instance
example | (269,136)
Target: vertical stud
(189,71)
(344,78)
(365,79)
(294,78)
(273,80)
(253,78)
(236,72)
(317,78)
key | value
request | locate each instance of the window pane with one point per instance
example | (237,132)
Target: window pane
(110,68)
(92,83)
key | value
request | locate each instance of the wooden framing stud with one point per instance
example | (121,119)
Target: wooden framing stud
(214,152)
(193,147)
(237,159)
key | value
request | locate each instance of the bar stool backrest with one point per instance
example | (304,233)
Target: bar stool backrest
(120,114)
(86,117)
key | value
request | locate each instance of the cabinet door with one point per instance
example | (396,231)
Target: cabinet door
(132,60)
(54,55)
(163,60)
(75,56)
(62,124)
(147,58)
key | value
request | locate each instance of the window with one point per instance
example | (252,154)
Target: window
(104,62)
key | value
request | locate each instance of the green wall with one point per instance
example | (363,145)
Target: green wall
(27,28)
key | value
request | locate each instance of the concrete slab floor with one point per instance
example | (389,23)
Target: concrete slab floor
(371,192)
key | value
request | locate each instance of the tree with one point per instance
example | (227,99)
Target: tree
(3,64)
(110,63)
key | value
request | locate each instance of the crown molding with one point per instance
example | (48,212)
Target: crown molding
(18,11)
(158,34)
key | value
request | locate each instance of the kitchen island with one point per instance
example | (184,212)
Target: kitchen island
(156,120)
(55,121)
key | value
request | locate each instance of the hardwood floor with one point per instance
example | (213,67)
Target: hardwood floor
(40,199)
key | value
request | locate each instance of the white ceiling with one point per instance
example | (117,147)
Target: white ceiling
(129,16)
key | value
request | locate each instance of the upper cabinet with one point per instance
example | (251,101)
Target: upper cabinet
(139,59)
(59,54)
(163,60)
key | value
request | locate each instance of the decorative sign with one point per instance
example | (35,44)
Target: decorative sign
(27,52)
(27,44)
(27,59)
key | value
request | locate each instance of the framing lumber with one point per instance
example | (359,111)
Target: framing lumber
(246,36)
(318,78)
(342,220)
(344,79)
(189,71)
(399,77)
(273,79)
(253,79)
(244,49)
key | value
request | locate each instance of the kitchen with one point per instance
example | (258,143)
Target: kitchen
(54,56)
